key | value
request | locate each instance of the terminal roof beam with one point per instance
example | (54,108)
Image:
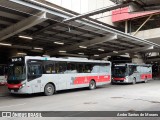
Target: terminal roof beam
(95,12)
(139,49)
(66,15)
(87,43)
(22,25)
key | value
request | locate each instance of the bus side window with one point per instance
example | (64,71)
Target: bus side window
(71,68)
(88,68)
(60,67)
(80,68)
(34,71)
(49,69)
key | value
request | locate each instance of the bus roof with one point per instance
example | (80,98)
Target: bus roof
(72,59)
(133,64)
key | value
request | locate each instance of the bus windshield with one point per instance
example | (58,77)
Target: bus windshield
(120,71)
(16,72)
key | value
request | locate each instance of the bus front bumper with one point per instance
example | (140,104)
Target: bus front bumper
(19,89)
(120,80)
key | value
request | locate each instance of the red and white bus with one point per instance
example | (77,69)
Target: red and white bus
(27,75)
(3,74)
(131,73)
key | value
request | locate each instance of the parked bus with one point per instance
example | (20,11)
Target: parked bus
(131,73)
(27,75)
(3,74)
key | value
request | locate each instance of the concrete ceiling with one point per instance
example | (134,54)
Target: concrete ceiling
(46,26)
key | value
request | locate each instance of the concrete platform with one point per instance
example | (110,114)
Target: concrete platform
(138,97)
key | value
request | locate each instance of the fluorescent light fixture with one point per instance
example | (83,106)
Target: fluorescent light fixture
(5,44)
(127,53)
(96,55)
(61,51)
(20,53)
(101,49)
(46,56)
(82,46)
(115,51)
(152,47)
(81,53)
(37,48)
(59,43)
(136,55)
(26,37)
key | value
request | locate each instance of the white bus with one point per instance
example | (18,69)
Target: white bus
(131,73)
(27,75)
(3,74)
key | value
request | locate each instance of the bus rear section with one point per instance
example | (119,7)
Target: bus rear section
(48,75)
(3,74)
(131,73)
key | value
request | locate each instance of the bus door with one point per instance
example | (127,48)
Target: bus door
(136,72)
(34,76)
(60,76)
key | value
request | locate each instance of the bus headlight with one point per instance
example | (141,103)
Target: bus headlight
(126,78)
(23,85)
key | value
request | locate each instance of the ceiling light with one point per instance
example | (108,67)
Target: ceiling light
(46,56)
(36,48)
(26,37)
(82,46)
(136,55)
(108,56)
(115,51)
(20,53)
(96,55)
(59,43)
(81,53)
(101,49)
(127,53)
(61,51)
(5,44)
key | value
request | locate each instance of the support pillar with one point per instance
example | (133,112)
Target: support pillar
(137,58)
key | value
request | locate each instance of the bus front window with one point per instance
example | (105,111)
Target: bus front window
(16,72)
(120,71)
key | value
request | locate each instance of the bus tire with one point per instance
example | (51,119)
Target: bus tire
(92,85)
(134,81)
(49,90)
(145,81)
(113,83)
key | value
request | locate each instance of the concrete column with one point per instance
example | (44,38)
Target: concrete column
(155,54)
(137,58)
(126,26)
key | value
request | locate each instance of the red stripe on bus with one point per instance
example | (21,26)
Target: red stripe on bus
(144,76)
(119,78)
(14,85)
(87,79)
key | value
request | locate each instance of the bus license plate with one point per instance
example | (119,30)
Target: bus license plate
(12,90)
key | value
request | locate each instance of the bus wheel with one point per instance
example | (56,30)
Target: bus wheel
(49,90)
(145,81)
(92,85)
(134,81)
